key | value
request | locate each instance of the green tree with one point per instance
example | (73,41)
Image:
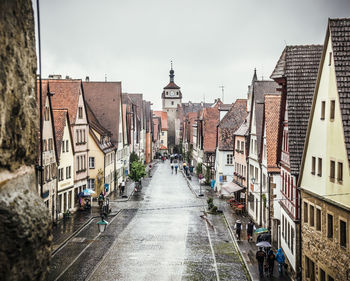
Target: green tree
(207,175)
(137,171)
(199,168)
(133,157)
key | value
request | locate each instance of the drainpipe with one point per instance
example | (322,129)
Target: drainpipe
(299,274)
(261,201)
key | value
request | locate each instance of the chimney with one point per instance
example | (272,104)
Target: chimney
(67,77)
(87,79)
(55,76)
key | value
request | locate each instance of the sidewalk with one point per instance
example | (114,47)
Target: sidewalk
(247,249)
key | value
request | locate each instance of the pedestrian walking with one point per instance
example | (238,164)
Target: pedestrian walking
(260,256)
(172,168)
(176,167)
(122,187)
(238,227)
(250,228)
(271,262)
(280,259)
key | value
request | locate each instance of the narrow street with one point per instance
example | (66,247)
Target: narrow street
(157,235)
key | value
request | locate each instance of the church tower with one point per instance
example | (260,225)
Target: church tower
(171,98)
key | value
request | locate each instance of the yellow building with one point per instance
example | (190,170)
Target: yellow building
(101,157)
(324,179)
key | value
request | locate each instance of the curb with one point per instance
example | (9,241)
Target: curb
(190,185)
(233,237)
(77,231)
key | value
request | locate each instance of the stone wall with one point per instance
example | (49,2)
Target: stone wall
(18,115)
(326,253)
(25,228)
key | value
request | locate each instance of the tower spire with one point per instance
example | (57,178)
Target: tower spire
(171,72)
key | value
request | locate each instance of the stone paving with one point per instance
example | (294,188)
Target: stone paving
(247,249)
(158,235)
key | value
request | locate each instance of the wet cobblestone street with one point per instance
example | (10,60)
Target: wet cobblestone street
(158,235)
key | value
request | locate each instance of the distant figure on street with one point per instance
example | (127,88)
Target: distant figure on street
(122,187)
(101,198)
(191,170)
(280,259)
(172,168)
(176,167)
(260,256)
(271,262)
(186,170)
(250,228)
(238,227)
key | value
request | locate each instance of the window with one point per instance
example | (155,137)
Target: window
(91,184)
(332,110)
(329,226)
(229,159)
(305,212)
(292,239)
(161,141)
(312,215)
(313,165)
(319,168)
(162,133)
(330,59)
(67,146)
(45,145)
(332,170)
(224,178)
(238,144)
(322,275)
(340,172)
(80,112)
(323,110)
(330,278)
(68,172)
(342,233)
(78,163)
(63,146)
(283,226)
(69,199)
(318,219)
(242,146)
(172,103)
(84,140)
(60,174)
(310,269)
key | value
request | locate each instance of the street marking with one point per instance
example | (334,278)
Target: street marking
(98,235)
(212,251)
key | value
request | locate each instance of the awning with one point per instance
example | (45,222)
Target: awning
(230,187)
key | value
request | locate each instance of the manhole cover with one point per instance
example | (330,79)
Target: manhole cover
(78,239)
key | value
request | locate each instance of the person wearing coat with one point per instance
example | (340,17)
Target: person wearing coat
(280,259)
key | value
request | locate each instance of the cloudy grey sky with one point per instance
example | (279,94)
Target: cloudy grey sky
(212,43)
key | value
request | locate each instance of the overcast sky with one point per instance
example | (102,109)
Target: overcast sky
(211,43)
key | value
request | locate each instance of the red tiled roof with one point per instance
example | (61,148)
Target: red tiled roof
(273,130)
(163,115)
(59,116)
(171,85)
(66,95)
(104,99)
(230,123)
(211,118)
(94,123)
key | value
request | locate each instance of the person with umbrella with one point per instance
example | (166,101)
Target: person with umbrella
(260,256)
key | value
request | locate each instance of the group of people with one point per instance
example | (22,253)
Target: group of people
(269,261)
(250,227)
(266,258)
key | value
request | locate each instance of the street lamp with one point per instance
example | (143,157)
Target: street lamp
(102,225)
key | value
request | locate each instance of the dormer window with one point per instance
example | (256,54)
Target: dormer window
(80,113)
